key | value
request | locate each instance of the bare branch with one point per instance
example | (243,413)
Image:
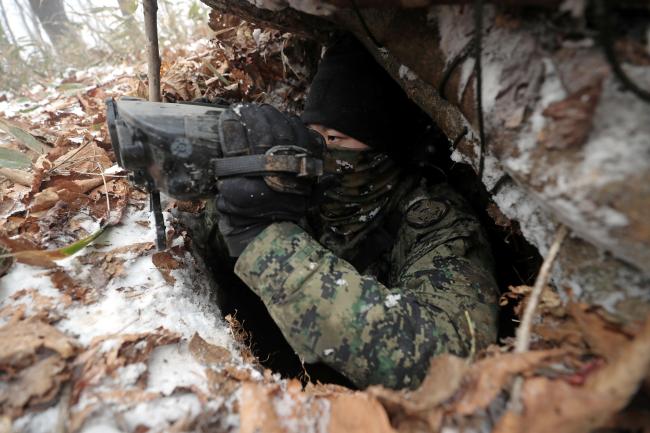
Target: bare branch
(522,342)
(7,26)
(523,332)
(151,31)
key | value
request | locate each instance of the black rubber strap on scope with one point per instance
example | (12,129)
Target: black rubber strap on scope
(262,164)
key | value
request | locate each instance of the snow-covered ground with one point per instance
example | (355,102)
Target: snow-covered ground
(156,389)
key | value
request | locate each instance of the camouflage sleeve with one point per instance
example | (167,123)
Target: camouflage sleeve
(372,334)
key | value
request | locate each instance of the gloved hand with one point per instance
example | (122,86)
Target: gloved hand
(250,129)
(248,204)
(255,128)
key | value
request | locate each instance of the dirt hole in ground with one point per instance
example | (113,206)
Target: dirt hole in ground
(517,263)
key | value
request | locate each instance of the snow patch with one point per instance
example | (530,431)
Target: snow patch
(551,91)
(465,72)
(129,374)
(24,277)
(491,84)
(455,27)
(392,300)
(173,366)
(406,73)
(517,204)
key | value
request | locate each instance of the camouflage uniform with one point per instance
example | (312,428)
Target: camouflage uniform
(381,322)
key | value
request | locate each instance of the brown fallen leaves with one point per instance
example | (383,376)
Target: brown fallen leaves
(208,354)
(108,353)
(569,120)
(31,304)
(579,384)
(557,406)
(272,409)
(71,287)
(33,364)
(221,371)
(103,357)
(49,205)
(166,263)
(472,386)
(249,64)
(106,265)
(571,385)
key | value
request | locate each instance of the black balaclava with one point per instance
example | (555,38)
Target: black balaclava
(353,94)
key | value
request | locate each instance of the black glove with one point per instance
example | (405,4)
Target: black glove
(251,129)
(247,206)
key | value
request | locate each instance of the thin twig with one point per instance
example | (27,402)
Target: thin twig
(64,410)
(523,332)
(18,176)
(108,202)
(522,342)
(68,157)
(87,173)
(151,31)
(472,333)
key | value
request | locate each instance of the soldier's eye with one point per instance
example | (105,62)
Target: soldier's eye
(332,137)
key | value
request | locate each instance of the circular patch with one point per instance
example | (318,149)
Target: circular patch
(181,148)
(425,212)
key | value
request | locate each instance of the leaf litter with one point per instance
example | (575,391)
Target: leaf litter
(102,333)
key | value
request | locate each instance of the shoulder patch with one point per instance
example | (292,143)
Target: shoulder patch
(425,212)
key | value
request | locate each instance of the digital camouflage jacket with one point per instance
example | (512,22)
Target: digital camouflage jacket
(437,278)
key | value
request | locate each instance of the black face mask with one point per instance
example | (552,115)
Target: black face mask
(356,187)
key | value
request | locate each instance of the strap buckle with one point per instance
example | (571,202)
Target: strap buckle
(278,159)
(293,159)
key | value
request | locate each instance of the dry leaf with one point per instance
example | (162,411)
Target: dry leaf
(21,177)
(357,412)
(44,199)
(569,120)
(41,307)
(165,263)
(22,340)
(95,363)
(423,405)
(237,373)
(549,301)
(559,407)
(604,338)
(497,216)
(66,284)
(109,264)
(5,424)
(32,359)
(219,382)
(256,410)
(272,409)
(207,353)
(13,313)
(489,376)
(37,384)
(67,190)
(84,159)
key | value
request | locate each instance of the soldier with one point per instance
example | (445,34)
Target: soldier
(388,270)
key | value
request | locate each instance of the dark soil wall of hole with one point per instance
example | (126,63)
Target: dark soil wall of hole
(516,263)
(516,260)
